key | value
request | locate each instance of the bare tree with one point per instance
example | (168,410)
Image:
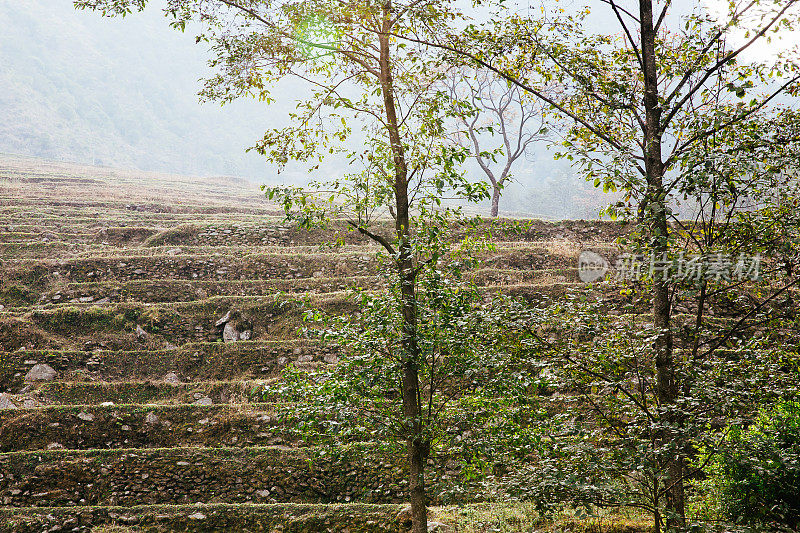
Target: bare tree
(495,107)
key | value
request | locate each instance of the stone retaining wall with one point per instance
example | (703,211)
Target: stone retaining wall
(85,427)
(208,361)
(195,475)
(267,518)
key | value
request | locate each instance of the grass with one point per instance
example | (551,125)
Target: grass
(520,517)
(172,236)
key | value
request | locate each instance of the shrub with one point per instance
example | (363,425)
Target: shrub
(758,472)
(16,294)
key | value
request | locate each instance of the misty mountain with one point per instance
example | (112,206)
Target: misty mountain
(77,87)
(81,88)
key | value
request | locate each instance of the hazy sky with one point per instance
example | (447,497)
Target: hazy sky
(74,85)
(762,51)
(78,86)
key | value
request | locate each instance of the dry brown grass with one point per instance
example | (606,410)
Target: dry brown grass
(518,517)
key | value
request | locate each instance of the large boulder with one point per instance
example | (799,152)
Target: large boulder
(224,320)
(5,402)
(230,333)
(234,328)
(171,377)
(41,372)
(140,332)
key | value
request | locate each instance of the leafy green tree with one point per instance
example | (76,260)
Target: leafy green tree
(609,417)
(478,383)
(359,72)
(650,100)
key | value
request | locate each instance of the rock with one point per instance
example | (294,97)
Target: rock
(55,446)
(403,517)
(103,301)
(222,321)
(87,417)
(230,334)
(106,404)
(331,358)
(204,401)
(171,377)
(305,358)
(29,403)
(86,299)
(197,516)
(151,419)
(140,333)
(2,307)
(41,372)
(170,346)
(174,251)
(245,335)
(436,526)
(5,402)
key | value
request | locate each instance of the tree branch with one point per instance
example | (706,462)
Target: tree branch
(377,238)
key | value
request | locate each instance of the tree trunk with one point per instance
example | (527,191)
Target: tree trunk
(412,411)
(667,387)
(495,201)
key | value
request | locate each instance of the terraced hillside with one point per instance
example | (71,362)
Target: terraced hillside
(140,316)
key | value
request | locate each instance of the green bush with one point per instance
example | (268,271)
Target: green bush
(17,295)
(758,472)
